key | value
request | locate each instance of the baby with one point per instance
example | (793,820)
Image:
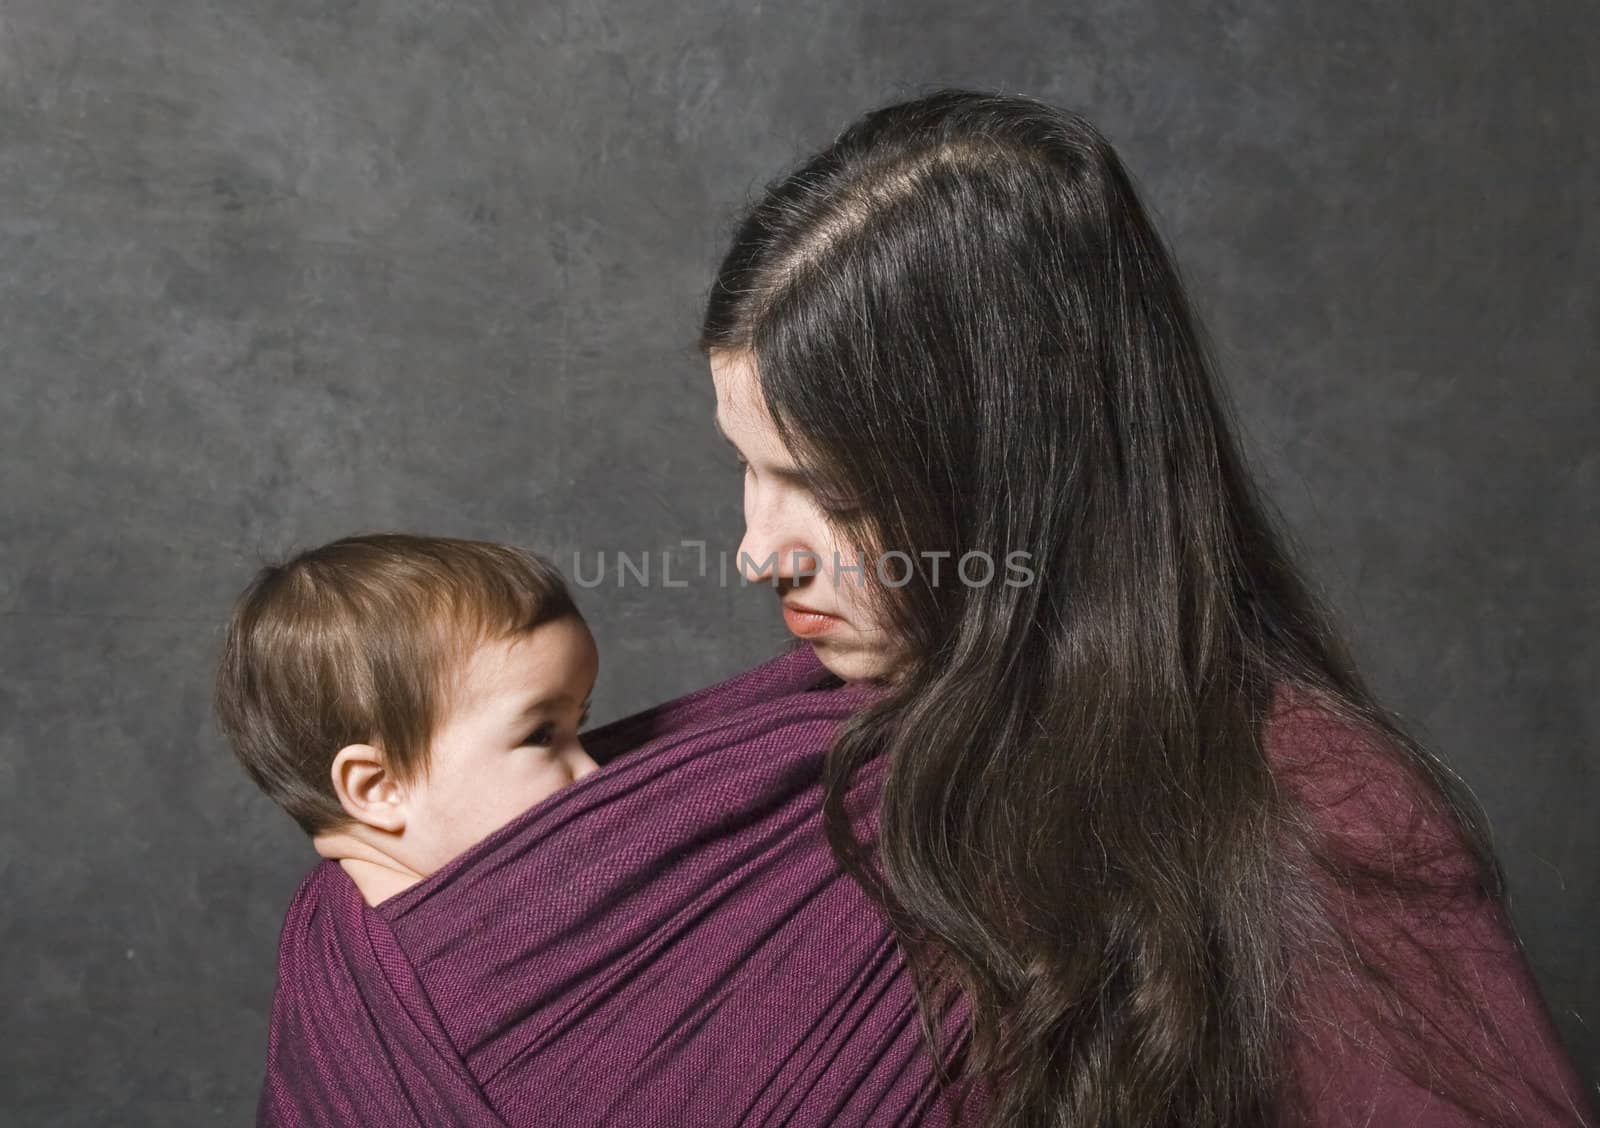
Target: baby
(403,697)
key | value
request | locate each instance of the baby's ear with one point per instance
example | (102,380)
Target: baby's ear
(367,790)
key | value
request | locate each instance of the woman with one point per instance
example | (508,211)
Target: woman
(1139,810)
(1104,779)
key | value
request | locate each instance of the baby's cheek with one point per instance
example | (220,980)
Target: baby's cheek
(529,785)
(545,781)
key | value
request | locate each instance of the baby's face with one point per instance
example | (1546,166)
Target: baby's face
(509,739)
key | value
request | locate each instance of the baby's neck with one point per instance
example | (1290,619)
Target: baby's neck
(376,874)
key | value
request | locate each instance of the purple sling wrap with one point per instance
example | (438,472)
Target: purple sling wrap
(668,941)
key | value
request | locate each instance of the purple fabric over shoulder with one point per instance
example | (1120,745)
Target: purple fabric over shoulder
(668,941)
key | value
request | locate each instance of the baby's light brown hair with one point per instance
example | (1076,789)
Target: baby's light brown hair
(361,642)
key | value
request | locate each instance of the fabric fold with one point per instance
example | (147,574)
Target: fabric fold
(667,941)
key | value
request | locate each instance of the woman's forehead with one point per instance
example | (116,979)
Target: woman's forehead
(741,410)
(734,376)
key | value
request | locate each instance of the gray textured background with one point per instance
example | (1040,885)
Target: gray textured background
(274,272)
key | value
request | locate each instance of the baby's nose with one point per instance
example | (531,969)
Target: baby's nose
(582,763)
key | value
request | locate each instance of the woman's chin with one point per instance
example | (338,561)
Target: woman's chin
(852,663)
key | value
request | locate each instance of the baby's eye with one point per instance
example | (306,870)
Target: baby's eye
(544,735)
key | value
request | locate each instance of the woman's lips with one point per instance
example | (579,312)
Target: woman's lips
(807,623)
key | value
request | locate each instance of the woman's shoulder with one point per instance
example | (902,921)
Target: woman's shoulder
(1433,982)
(1331,758)
(1366,794)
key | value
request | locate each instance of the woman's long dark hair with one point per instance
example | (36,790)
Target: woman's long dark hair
(963,319)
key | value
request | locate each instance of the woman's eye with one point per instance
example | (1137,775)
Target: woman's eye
(836,507)
(543,735)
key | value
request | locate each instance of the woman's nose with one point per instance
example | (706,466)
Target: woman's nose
(777,538)
(755,565)
(769,555)
(758,551)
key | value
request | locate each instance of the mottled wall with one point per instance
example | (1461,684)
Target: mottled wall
(271,272)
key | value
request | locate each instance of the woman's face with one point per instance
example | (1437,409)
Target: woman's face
(788,541)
